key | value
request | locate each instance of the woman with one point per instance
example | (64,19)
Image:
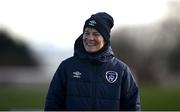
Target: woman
(93,78)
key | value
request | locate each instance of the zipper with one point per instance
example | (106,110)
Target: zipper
(94,73)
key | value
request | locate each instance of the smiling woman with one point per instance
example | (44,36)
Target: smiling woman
(93,78)
(92,40)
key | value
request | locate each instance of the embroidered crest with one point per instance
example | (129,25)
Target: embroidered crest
(111,76)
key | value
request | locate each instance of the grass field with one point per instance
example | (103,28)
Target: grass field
(33,98)
(22,98)
(160,98)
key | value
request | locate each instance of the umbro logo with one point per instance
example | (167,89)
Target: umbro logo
(92,23)
(77,74)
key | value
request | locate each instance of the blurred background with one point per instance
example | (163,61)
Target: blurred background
(35,36)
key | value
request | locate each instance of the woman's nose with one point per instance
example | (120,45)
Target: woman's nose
(91,37)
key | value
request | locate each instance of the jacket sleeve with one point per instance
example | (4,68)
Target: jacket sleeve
(130,99)
(55,99)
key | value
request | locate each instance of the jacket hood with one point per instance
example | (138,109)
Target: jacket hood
(104,55)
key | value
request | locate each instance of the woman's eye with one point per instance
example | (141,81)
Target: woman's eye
(96,34)
(86,33)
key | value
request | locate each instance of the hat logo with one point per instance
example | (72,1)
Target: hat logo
(92,23)
(111,76)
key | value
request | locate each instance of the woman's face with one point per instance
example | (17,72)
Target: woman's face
(93,41)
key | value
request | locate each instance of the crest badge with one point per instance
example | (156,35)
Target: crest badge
(111,76)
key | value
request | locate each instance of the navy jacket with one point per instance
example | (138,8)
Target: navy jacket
(92,81)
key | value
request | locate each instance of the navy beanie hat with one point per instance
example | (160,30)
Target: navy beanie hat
(102,22)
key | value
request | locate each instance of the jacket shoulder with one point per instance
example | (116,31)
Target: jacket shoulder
(119,63)
(68,61)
